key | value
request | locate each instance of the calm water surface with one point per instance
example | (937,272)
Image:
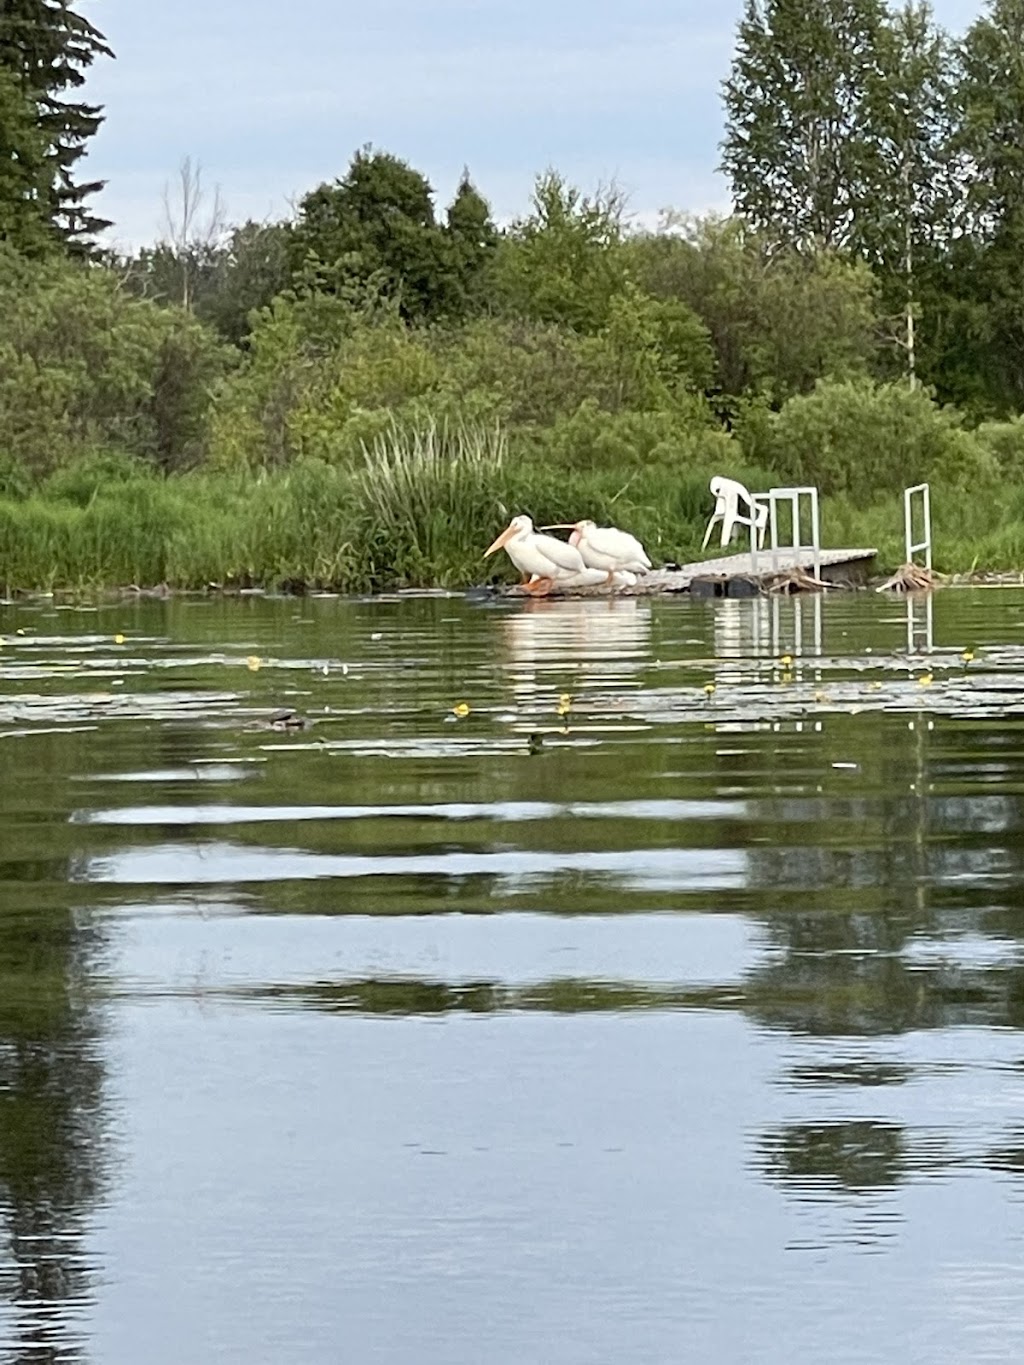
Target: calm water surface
(688,1029)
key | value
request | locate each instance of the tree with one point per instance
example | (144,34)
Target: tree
(905,228)
(563,263)
(47,47)
(840,136)
(193,226)
(84,366)
(990,99)
(796,145)
(376,228)
(472,239)
(250,268)
(779,319)
(24,174)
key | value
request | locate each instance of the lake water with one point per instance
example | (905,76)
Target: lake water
(688,1029)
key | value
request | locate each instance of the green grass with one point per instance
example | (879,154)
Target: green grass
(419,511)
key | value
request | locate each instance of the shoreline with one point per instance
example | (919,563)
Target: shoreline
(475,592)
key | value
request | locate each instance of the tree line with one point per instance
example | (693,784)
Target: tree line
(855,127)
(856,319)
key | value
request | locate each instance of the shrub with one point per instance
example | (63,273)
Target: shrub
(857,438)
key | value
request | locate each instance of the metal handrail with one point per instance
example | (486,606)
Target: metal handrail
(912,547)
(793,496)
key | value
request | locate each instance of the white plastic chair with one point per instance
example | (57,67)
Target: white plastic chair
(729,493)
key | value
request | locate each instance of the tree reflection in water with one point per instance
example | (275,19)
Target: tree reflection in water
(51,1106)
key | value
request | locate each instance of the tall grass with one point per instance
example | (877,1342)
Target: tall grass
(422,497)
(419,510)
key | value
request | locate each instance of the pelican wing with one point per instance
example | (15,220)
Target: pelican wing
(618,545)
(559,552)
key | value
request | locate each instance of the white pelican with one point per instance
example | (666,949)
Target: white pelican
(607,548)
(542,560)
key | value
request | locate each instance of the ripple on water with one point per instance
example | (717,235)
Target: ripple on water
(697,1019)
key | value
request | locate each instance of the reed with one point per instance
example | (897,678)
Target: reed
(419,510)
(423,496)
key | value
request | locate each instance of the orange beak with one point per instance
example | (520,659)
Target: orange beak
(503,539)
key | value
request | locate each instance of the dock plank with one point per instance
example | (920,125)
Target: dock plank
(743,566)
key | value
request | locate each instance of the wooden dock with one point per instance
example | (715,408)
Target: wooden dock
(837,566)
(847,567)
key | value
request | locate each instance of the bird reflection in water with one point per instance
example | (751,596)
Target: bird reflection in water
(573,647)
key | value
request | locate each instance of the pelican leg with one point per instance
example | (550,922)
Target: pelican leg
(540,587)
(609,582)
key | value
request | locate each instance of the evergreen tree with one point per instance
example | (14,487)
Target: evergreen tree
(47,47)
(473,238)
(376,229)
(24,173)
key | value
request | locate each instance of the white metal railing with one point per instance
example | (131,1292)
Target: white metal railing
(754,532)
(920,628)
(791,641)
(793,496)
(925,544)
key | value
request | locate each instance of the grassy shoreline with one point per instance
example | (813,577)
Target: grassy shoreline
(315,526)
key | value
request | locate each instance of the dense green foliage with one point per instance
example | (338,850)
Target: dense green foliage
(858,127)
(364,394)
(45,49)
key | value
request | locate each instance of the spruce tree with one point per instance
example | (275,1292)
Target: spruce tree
(472,238)
(47,47)
(24,173)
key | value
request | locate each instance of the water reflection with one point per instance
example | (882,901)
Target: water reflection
(576,644)
(747,961)
(773,626)
(850,1155)
(51,1124)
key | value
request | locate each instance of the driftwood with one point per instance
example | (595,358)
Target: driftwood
(910,578)
(795,580)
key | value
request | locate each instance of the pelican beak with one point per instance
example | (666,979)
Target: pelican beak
(505,536)
(560,526)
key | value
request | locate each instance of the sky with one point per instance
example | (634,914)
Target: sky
(272,99)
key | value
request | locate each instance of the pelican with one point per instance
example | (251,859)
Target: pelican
(542,560)
(607,548)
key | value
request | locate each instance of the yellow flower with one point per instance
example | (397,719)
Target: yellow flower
(253,662)
(564,704)
(118,639)
(786,661)
(709,689)
(925,680)
(461,710)
(968,656)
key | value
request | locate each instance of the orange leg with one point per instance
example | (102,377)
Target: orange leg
(541,588)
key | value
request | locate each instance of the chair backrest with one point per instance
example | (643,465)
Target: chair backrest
(728,492)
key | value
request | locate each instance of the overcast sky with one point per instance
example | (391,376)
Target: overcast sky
(273,98)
